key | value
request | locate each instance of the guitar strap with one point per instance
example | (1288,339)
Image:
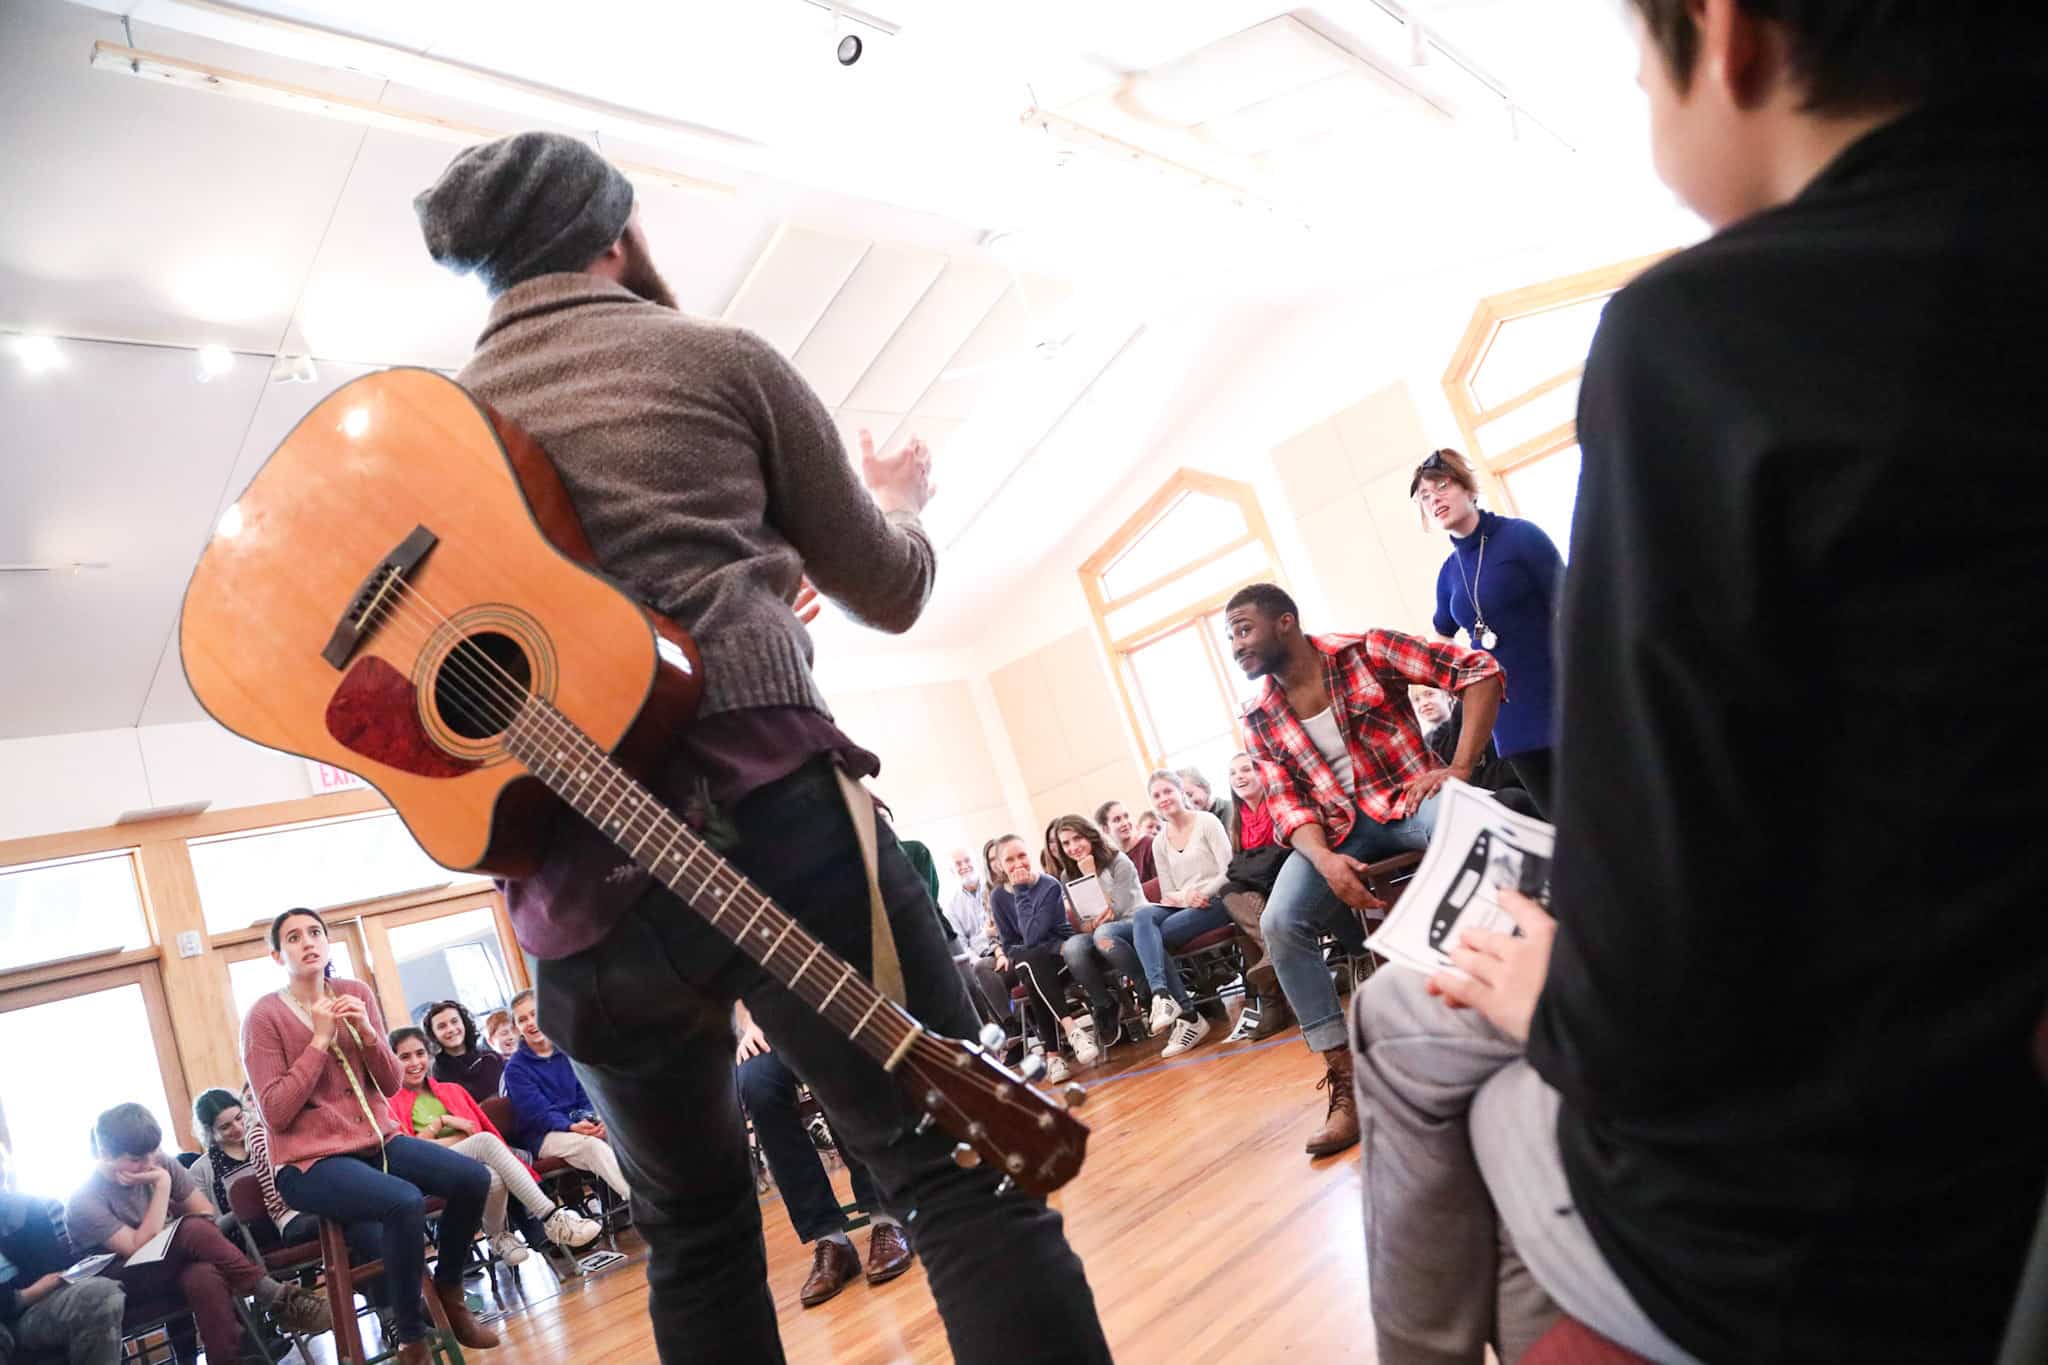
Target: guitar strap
(887,970)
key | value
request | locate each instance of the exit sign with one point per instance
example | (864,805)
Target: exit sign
(326,778)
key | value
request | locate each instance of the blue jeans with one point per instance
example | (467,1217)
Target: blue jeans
(1159,929)
(768,1087)
(352,1190)
(1302,907)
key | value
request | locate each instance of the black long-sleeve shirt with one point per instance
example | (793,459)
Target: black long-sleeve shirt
(1802,940)
(31,1241)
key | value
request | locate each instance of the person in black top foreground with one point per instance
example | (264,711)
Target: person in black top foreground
(1761,1091)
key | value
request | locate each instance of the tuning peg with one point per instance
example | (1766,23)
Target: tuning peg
(992,1037)
(965,1157)
(1004,1186)
(1075,1096)
(1033,1067)
(924,1125)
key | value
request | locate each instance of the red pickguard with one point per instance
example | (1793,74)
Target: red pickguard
(375,713)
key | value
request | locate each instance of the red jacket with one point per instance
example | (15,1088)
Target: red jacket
(455,1099)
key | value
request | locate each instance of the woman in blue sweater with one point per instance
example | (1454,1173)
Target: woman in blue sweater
(1499,585)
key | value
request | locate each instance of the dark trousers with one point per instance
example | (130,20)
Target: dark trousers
(644,1015)
(1533,769)
(1098,968)
(1038,971)
(204,1269)
(768,1089)
(355,1190)
(987,991)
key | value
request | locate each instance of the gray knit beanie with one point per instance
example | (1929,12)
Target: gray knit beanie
(526,205)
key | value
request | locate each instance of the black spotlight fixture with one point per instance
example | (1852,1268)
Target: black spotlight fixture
(849,49)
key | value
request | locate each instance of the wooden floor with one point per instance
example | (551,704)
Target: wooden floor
(1207,1233)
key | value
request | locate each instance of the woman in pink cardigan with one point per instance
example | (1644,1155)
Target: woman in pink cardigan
(322,1075)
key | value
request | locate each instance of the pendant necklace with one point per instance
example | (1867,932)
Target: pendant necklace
(1480,634)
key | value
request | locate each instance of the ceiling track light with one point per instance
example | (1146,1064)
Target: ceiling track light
(213,80)
(38,354)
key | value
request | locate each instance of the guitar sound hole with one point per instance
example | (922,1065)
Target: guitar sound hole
(480,684)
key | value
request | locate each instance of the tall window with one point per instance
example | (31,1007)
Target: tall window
(247,878)
(70,907)
(1514,385)
(1158,588)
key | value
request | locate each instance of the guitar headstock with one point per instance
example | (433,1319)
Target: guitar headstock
(998,1116)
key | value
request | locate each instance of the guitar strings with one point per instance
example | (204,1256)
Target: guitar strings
(514,696)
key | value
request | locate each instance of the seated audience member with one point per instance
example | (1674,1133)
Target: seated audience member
(223,1148)
(502,1035)
(288,1226)
(1348,780)
(972,937)
(769,1089)
(1443,726)
(1032,925)
(1148,826)
(1256,857)
(1114,819)
(1770,1136)
(444,1112)
(556,1118)
(41,1313)
(1103,952)
(315,1052)
(1201,796)
(1192,853)
(134,1192)
(460,1057)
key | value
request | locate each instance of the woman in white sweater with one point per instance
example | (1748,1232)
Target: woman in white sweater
(1191,853)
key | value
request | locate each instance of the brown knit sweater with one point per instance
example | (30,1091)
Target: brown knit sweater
(708,477)
(308,1106)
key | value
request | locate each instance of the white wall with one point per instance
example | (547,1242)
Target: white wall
(85,780)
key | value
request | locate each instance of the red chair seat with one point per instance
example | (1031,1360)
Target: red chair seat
(1020,992)
(1214,938)
(548,1165)
(1574,1343)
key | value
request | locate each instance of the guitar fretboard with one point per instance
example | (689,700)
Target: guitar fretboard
(555,750)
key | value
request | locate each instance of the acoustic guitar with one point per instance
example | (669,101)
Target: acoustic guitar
(404,591)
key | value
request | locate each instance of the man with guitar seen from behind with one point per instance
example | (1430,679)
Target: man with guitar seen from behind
(711,481)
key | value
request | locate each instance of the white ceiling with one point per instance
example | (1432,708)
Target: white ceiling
(1039,311)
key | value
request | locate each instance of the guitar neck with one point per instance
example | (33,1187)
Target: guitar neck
(555,750)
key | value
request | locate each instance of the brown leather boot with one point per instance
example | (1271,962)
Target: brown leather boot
(1274,1015)
(888,1253)
(461,1321)
(1340,1129)
(833,1265)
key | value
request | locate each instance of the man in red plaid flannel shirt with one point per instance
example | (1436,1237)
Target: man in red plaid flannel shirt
(1349,779)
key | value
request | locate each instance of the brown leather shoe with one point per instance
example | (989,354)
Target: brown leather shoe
(414,1353)
(1274,1015)
(888,1253)
(1262,978)
(1340,1130)
(461,1321)
(833,1266)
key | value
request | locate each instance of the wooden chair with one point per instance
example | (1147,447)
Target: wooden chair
(281,1263)
(564,1183)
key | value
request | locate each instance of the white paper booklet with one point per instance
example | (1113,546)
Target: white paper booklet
(1478,847)
(1086,896)
(155,1247)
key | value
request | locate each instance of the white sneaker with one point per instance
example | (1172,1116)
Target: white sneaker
(568,1228)
(1056,1069)
(1187,1031)
(1165,1009)
(1081,1037)
(509,1248)
(1247,1023)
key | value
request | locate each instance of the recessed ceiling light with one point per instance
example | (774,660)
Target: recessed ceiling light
(214,361)
(38,354)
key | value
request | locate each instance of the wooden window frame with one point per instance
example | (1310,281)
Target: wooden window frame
(122,969)
(1488,317)
(1119,647)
